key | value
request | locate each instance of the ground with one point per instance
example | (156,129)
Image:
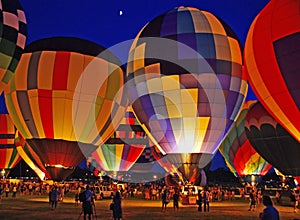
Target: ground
(37,208)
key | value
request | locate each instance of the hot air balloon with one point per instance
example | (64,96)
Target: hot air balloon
(9,156)
(124,147)
(273,142)
(240,157)
(65,98)
(13,38)
(272,53)
(185,82)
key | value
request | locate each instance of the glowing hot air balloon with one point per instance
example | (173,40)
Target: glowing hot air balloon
(65,99)
(272,53)
(274,143)
(185,81)
(13,38)
(9,156)
(124,147)
(241,158)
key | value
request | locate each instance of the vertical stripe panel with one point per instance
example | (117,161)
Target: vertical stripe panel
(61,71)
(45,105)
(45,70)
(58,113)
(33,70)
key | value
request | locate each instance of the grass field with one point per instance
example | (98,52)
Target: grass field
(37,208)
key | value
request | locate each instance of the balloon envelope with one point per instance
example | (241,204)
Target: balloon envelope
(9,156)
(241,158)
(124,147)
(65,99)
(274,143)
(272,54)
(13,36)
(185,80)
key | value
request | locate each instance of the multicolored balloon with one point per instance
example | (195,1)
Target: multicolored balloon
(66,98)
(124,147)
(240,157)
(9,156)
(185,81)
(13,35)
(272,54)
(273,142)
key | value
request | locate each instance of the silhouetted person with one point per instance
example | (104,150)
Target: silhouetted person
(164,200)
(252,201)
(176,200)
(199,201)
(270,212)
(87,205)
(54,194)
(117,207)
(206,196)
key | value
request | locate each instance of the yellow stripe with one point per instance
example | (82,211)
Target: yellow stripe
(119,152)
(58,111)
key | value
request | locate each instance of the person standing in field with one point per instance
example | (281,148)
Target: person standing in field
(270,212)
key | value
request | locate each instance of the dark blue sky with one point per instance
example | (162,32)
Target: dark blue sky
(100,21)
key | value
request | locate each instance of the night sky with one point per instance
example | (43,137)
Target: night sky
(112,22)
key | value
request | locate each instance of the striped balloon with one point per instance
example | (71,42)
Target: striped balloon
(185,80)
(272,54)
(124,147)
(13,38)
(240,157)
(9,156)
(66,98)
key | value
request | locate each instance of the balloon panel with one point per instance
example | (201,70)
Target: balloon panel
(241,158)
(185,80)
(274,143)
(13,36)
(272,51)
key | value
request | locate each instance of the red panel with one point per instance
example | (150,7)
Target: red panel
(2,158)
(61,71)
(3,123)
(45,105)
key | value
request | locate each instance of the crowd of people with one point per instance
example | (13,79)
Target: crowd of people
(151,191)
